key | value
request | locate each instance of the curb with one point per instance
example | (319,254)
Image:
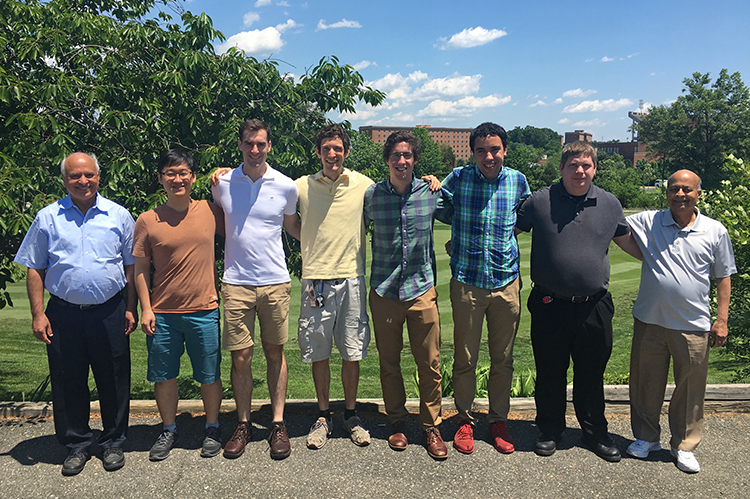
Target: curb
(718,399)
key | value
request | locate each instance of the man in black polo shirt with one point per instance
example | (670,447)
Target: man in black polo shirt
(571,309)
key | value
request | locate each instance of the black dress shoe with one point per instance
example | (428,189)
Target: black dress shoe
(602,447)
(113,459)
(546,445)
(75,462)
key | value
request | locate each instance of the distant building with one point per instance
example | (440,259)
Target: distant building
(632,151)
(576,136)
(457,138)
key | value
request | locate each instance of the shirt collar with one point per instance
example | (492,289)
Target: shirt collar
(503,172)
(696,226)
(100,204)
(345,172)
(268,175)
(590,194)
(393,190)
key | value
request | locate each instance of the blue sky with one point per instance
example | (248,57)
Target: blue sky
(543,63)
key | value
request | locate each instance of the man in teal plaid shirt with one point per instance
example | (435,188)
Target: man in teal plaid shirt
(486,282)
(402,283)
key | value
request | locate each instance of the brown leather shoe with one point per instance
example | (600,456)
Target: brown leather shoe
(397,440)
(279,441)
(236,445)
(434,443)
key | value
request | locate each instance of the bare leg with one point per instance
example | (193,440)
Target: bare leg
(350,380)
(211,395)
(242,382)
(277,378)
(165,393)
(321,372)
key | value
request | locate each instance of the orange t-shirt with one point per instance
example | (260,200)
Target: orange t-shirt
(181,248)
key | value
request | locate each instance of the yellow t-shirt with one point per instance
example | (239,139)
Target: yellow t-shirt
(333,230)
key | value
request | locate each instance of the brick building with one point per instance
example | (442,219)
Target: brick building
(457,138)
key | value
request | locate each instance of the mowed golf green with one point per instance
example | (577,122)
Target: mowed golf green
(23,361)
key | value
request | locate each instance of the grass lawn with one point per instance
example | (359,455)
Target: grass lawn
(23,363)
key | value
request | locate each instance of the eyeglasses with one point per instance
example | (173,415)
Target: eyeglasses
(170,175)
(395,156)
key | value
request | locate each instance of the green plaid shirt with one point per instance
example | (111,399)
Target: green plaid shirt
(403,256)
(484,250)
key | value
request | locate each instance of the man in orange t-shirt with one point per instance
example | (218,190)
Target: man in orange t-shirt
(180,304)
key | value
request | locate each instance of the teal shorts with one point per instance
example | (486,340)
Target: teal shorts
(199,332)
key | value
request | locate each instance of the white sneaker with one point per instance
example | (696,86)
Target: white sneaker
(641,448)
(686,461)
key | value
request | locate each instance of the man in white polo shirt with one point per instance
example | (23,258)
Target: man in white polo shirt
(681,251)
(257,201)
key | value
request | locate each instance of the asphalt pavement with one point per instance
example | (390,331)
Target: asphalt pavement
(31,460)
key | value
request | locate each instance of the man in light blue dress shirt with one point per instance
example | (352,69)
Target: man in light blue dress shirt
(80,249)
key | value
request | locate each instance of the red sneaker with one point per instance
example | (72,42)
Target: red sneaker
(463,441)
(500,438)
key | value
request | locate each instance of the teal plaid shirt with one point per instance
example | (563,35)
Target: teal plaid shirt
(484,250)
(403,254)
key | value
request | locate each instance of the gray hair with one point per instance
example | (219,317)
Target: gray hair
(62,163)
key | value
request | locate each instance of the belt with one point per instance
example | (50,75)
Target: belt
(59,301)
(573,299)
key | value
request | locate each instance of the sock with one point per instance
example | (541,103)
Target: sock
(348,413)
(172,428)
(325,414)
(212,425)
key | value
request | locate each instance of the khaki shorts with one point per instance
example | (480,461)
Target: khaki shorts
(341,318)
(241,305)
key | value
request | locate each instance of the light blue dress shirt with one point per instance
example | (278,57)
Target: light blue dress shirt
(83,255)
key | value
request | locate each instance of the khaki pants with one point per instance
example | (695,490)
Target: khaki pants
(649,366)
(423,326)
(502,307)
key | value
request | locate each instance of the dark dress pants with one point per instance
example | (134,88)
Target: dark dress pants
(561,330)
(81,338)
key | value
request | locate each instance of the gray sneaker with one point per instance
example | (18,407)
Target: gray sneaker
(212,442)
(356,431)
(319,433)
(160,450)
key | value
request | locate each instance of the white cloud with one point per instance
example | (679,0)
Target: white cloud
(262,3)
(249,18)
(282,3)
(471,37)
(364,64)
(563,121)
(462,107)
(669,102)
(538,103)
(289,24)
(596,123)
(344,23)
(588,106)
(557,101)
(256,42)
(606,59)
(589,59)
(452,85)
(577,93)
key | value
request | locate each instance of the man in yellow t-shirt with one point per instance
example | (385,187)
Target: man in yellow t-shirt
(332,240)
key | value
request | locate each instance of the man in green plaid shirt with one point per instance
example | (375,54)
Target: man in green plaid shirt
(485,283)
(402,283)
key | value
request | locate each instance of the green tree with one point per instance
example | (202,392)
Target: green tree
(539,138)
(111,78)
(366,157)
(730,205)
(431,162)
(705,124)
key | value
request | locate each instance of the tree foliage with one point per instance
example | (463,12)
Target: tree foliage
(107,77)
(366,157)
(705,124)
(730,205)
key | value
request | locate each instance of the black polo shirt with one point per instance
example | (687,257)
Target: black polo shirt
(571,236)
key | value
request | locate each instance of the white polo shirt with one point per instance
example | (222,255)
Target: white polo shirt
(677,264)
(253,217)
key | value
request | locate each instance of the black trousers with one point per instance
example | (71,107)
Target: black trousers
(81,338)
(561,330)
